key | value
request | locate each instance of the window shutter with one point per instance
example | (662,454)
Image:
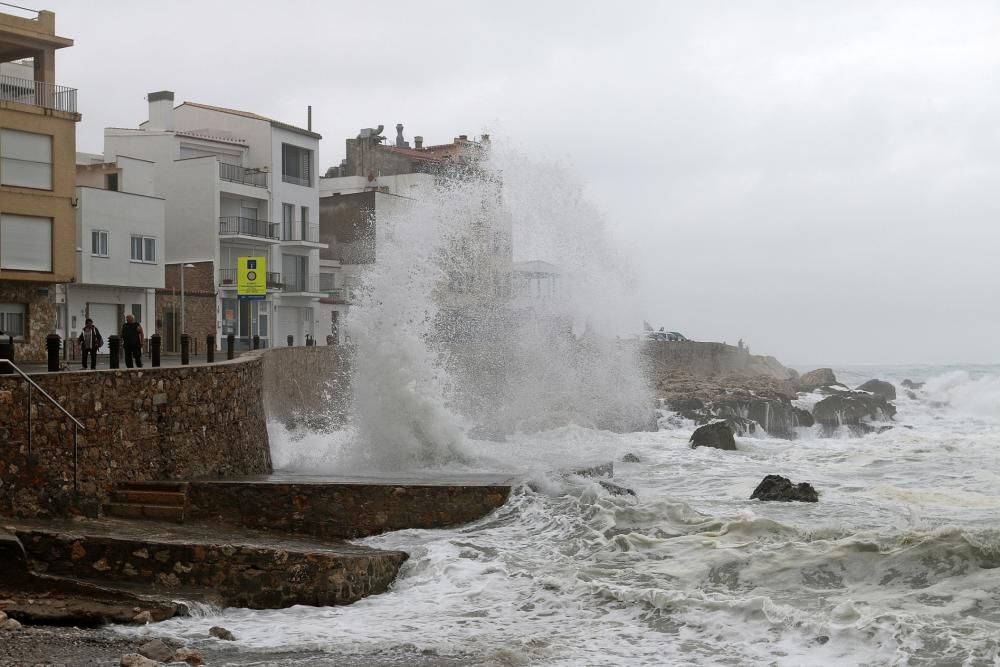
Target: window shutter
(26,159)
(25,243)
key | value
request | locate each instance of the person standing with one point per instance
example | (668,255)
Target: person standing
(90,342)
(132,339)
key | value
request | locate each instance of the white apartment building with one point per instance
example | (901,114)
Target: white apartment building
(119,248)
(236,185)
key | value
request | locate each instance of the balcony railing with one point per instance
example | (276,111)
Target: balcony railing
(301,283)
(231,225)
(37,93)
(234,173)
(227,278)
(296,231)
(341,294)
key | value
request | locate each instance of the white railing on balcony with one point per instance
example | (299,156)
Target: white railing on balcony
(300,283)
(234,173)
(37,93)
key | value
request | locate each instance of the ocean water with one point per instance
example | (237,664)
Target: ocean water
(896,565)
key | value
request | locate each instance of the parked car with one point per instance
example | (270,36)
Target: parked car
(664,336)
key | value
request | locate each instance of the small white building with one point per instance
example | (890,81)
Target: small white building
(236,184)
(120,231)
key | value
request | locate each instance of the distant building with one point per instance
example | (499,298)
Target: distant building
(377,179)
(236,184)
(120,261)
(37,173)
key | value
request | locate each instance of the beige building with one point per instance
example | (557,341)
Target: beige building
(37,180)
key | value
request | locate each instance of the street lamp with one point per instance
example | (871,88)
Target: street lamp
(183,310)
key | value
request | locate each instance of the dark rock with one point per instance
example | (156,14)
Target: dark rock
(803,417)
(910,384)
(221,633)
(717,435)
(815,379)
(880,388)
(156,650)
(631,458)
(776,487)
(615,489)
(685,403)
(606,469)
(851,408)
(910,395)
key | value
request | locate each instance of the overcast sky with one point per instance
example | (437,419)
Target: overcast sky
(821,179)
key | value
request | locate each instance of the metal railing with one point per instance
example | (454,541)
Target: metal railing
(234,173)
(343,295)
(232,225)
(76,422)
(37,93)
(296,231)
(301,283)
(227,278)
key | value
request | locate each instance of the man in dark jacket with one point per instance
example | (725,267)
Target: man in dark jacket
(132,337)
(90,342)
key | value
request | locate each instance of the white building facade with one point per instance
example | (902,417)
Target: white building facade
(236,185)
(120,233)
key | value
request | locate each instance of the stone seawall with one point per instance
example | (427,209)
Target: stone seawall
(709,359)
(308,384)
(141,424)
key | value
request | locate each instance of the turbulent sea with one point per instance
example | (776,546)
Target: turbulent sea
(896,565)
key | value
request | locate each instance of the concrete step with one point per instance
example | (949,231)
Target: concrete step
(142,511)
(136,497)
(153,485)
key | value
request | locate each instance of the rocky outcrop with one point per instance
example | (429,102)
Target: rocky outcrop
(813,380)
(880,388)
(910,384)
(717,435)
(852,408)
(776,487)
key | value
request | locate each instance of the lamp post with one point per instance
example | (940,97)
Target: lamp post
(183,310)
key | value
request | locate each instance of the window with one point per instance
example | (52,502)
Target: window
(137,312)
(296,165)
(25,159)
(111,182)
(12,318)
(305,224)
(99,243)
(287,217)
(144,249)
(25,243)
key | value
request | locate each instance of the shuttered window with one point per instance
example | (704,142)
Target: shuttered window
(25,243)
(25,159)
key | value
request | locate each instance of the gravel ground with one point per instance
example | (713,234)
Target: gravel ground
(53,646)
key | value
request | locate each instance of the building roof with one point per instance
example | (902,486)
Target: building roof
(247,114)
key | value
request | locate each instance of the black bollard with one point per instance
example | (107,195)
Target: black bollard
(52,347)
(256,342)
(329,339)
(230,345)
(185,349)
(155,344)
(114,345)
(6,352)
(291,340)
(210,349)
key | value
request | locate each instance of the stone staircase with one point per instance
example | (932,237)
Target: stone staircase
(155,500)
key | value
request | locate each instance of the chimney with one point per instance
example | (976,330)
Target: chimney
(463,137)
(400,141)
(418,142)
(161,110)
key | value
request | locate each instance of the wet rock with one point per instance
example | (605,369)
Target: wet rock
(880,388)
(776,487)
(910,384)
(136,660)
(188,655)
(221,633)
(717,435)
(803,417)
(851,409)
(616,489)
(813,380)
(156,650)
(10,625)
(142,618)
(631,458)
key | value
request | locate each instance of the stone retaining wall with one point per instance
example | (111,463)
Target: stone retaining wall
(308,384)
(141,424)
(348,510)
(708,359)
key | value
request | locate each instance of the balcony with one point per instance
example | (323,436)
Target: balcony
(37,93)
(299,234)
(227,279)
(250,228)
(300,284)
(234,173)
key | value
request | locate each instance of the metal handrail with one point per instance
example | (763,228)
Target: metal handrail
(76,422)
(37,93)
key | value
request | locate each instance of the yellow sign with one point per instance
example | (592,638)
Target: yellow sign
(251,278)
